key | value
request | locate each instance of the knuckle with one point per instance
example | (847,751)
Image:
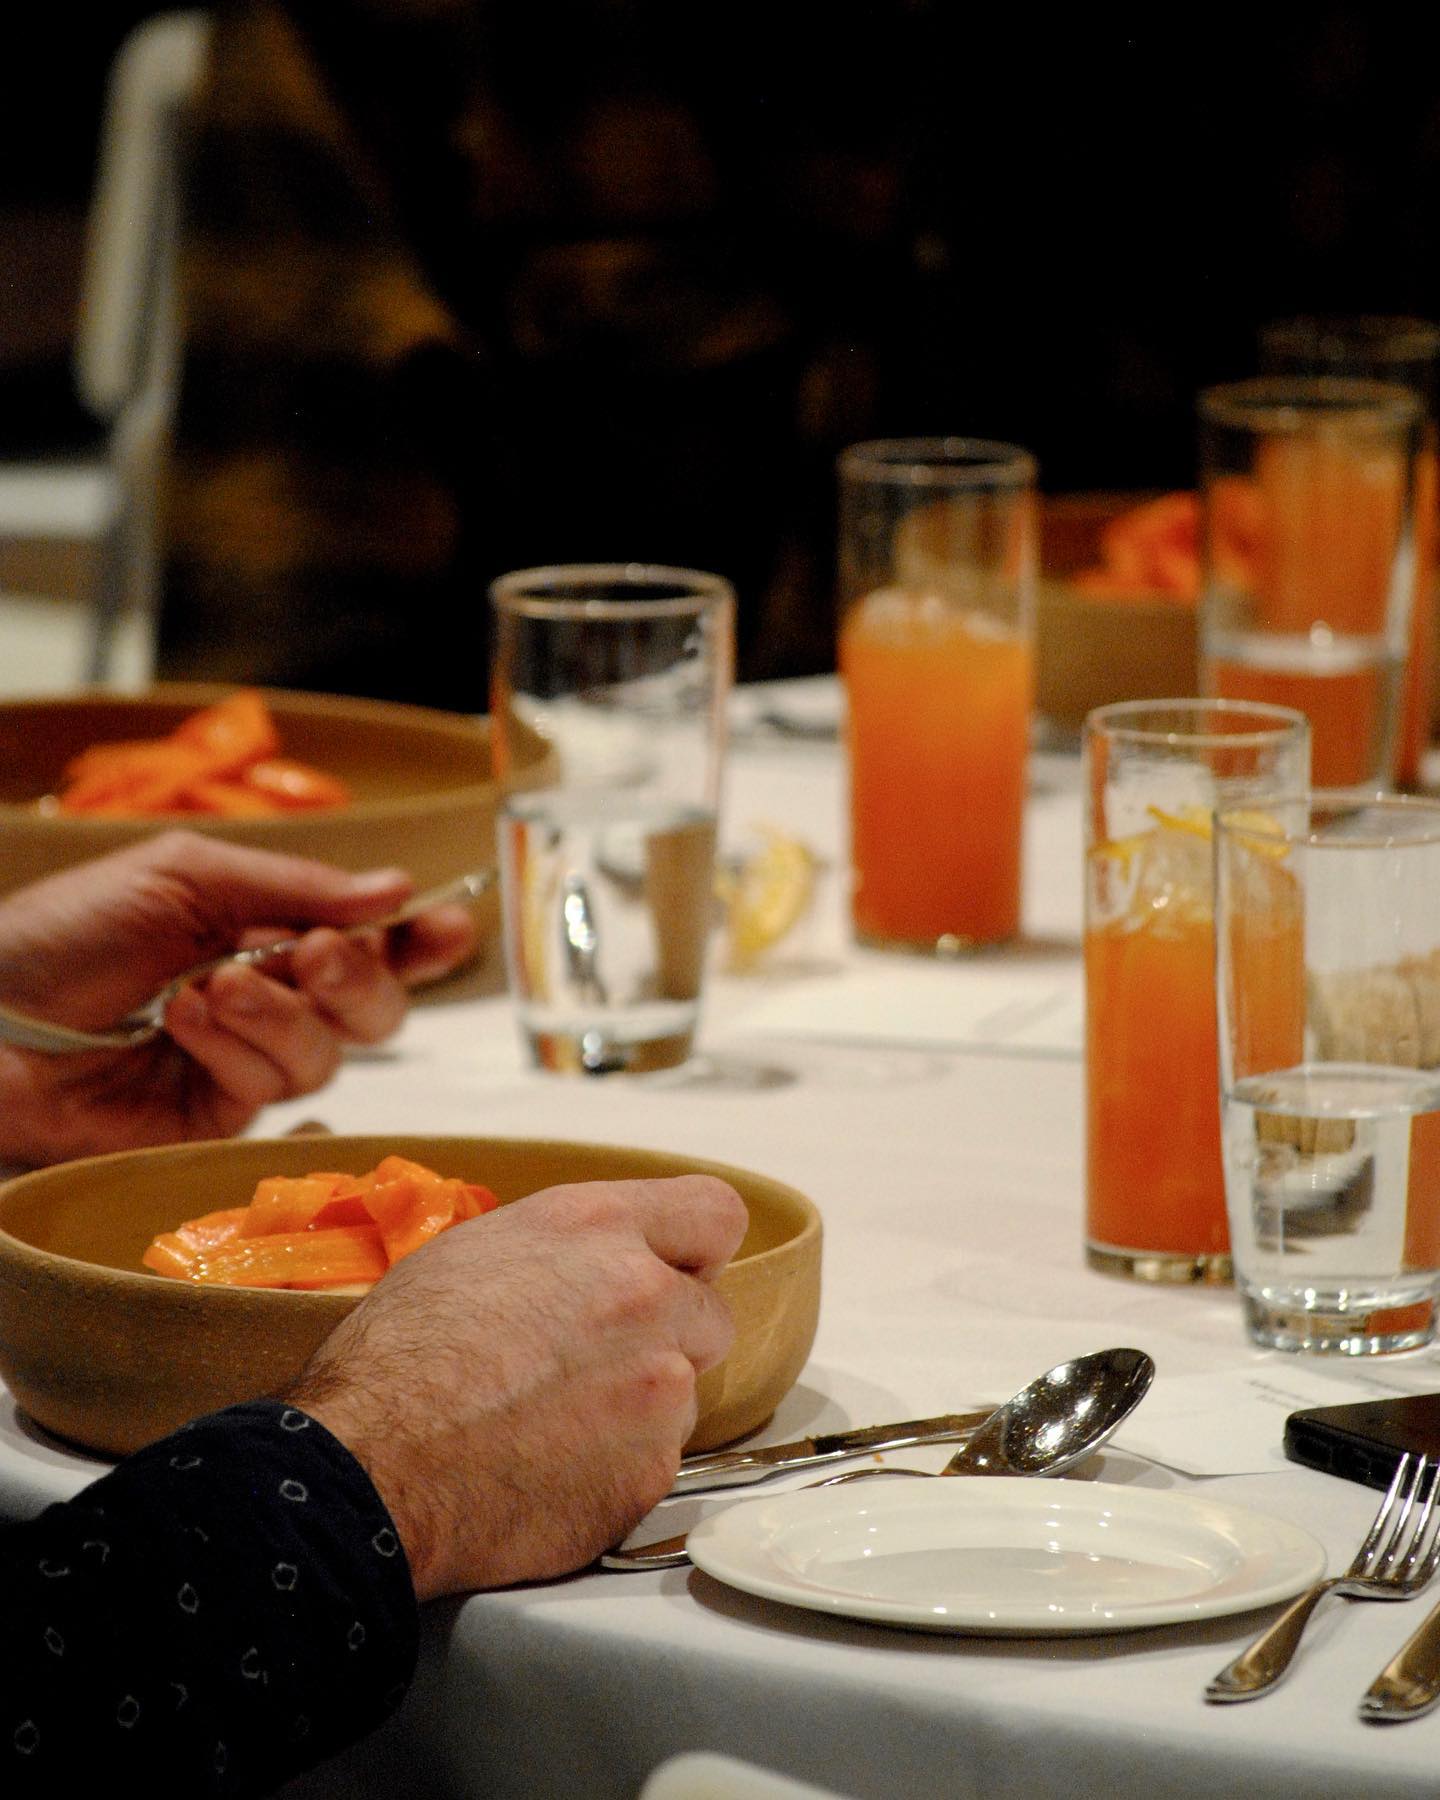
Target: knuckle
(666,1384)
(585,1206)
(643,1290)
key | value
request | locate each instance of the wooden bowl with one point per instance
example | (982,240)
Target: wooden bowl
(424,795)
(101,1352)
(1090,652)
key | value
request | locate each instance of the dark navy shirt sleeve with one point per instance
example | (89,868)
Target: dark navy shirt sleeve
(224,1609)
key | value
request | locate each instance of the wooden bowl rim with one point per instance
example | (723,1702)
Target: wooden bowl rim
(191,696)
(24,1254)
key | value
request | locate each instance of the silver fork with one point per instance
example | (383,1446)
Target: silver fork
(147,1021)
(1395,1561)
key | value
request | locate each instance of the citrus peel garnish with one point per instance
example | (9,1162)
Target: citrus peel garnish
(765,896)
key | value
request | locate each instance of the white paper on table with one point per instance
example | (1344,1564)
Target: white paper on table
(1025,1011)
(1233,1422)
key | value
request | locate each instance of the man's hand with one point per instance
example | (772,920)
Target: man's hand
(520,1389)
(86,946)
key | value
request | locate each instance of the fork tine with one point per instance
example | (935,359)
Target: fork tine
(1424,1557)
(1364,1556)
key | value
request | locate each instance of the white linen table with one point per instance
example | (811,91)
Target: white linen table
(950,1180)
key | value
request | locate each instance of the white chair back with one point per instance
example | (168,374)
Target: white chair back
(127,347)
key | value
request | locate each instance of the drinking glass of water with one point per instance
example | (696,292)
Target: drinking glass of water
(609,685)
(1328,958)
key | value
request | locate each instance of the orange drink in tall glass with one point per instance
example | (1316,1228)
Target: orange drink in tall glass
(939,721)
(1309,490)
(1155,1189)
(1405,351)
(936,654)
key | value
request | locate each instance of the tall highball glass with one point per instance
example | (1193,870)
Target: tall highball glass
(609,685)
(1329,997)
(1154,772)
(937,590)
(1308,490)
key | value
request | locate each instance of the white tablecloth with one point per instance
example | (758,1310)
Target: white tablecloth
(950,1183)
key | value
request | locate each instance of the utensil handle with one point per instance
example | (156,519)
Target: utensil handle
(1256,1670)
(1409,1685)
(666,1553)
(736,1468)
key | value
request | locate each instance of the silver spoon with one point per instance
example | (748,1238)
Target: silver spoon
(1053,1423)
(147,1021)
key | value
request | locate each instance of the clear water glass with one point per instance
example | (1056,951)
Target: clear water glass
(1328,963)
(609,686)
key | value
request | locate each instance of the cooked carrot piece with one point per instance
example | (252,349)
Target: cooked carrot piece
(320,1230)
(409,1212)
(391,1168)
(343,1254)
(235,731)
(148,778)
(225,800)
(294,785)
(346,1209)
(170,1255)
(221,761)
(291,1203)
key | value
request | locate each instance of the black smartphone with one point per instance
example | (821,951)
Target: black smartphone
(1365,1440)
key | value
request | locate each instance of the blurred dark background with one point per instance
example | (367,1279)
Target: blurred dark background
(1110,203)
(1100,208)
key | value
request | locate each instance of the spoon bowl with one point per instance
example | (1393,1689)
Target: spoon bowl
(1054,1422)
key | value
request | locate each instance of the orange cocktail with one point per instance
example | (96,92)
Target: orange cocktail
(1154,770)
(1350,710)
(939,716)
(1310,490)
(1155,1179)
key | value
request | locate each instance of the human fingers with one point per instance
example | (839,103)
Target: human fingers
(423,949)
(693,1222)
(704,1328)
(258,1040)
(240,886)
(350,984)
(432,944)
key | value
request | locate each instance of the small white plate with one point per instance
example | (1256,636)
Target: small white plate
(1006,1556)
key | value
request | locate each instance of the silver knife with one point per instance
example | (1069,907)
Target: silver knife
(733,1468)
(1409,1685)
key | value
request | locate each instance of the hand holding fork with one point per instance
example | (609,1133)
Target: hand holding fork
(1400,1554)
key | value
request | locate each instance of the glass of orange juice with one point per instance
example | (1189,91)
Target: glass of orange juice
(1309,490)
(1405,351)
(1329,996)
(937,577)
(1154,772)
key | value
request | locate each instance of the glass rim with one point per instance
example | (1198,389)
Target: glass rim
(1332,337)
(940,462)
(1329,800)
(514,592)
(1291,404)
(1111,720)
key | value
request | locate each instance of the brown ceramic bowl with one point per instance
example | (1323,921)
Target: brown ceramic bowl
(99,1351)
(1090,652)
(424,795)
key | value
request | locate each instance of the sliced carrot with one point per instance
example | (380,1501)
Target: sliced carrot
(291,1203)
(204,766)
(147,779)
(294,786)
(235,731)
(343,1254)
(409,1213)
(320,1230)
(225,799)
